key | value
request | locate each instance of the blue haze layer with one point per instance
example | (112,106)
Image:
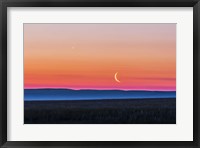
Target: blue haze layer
(68,94)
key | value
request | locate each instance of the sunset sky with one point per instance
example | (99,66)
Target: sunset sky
(87,56)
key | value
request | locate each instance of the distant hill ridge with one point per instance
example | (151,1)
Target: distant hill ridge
(89,94)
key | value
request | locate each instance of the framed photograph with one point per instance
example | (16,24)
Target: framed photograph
(99,73)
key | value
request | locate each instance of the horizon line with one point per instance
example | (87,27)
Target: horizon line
(102,89)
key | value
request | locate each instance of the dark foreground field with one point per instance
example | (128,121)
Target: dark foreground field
(129,111)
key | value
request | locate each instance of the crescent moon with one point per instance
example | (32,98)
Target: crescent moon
(116,77)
